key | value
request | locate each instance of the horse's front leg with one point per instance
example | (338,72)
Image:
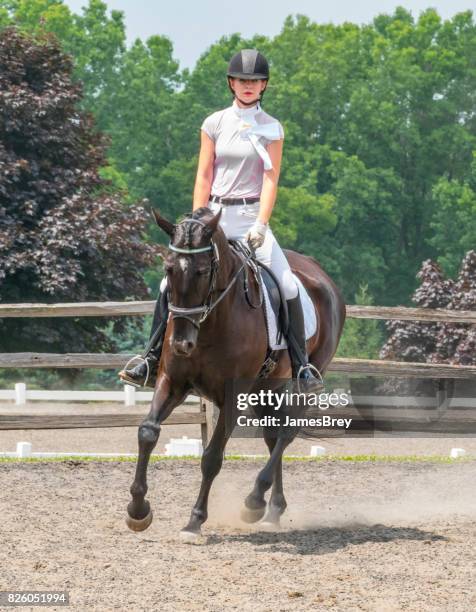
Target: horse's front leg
(166,398)
(212,460)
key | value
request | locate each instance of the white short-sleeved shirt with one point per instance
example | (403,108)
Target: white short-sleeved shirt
(238,169)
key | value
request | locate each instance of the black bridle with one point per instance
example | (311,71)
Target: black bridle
(179,312)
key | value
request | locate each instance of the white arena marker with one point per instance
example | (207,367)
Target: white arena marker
(20,394)
(317,451)
(129,395)
(457,452)
(178,447)
(23,449)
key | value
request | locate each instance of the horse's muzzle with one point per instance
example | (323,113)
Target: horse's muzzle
(183,348)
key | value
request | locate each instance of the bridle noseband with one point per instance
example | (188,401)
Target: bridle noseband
(179,312)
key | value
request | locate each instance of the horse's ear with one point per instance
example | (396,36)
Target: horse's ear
(162,251)
(213,223)
(168,227)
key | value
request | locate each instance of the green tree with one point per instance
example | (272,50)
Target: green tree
(361,338)
(396,100)
(454,220)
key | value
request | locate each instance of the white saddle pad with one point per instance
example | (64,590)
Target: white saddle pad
(310,320)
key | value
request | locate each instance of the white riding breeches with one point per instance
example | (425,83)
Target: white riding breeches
(236,220)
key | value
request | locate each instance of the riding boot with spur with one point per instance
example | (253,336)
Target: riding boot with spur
(302,370)
(144,374)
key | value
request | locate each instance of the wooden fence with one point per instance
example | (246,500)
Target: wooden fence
(113,309)
(204,416)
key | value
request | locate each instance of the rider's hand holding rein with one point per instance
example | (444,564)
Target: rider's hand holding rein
(256,235)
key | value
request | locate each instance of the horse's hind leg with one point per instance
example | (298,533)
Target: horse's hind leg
(255,504)
(164,401)
(277,502)
(212,460)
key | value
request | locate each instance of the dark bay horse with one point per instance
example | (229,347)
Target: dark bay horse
(213,335)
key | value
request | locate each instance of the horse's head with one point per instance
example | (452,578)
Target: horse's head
(191,265)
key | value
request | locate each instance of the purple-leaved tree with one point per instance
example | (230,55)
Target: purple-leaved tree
(63,235)
(453,343)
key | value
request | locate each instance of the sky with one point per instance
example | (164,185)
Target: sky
(193,26)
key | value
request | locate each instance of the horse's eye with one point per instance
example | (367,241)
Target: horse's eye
(203,270)
(168,267)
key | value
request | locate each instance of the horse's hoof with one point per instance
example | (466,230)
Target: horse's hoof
(190,537)
(139,524)
(252,515)
(272,519)
(267,525)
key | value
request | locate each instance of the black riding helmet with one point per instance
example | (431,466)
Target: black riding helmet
(248,64)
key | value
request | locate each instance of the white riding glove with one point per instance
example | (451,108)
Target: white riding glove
(256,234)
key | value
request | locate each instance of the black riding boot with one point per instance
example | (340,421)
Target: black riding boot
(301,368)
(144,374)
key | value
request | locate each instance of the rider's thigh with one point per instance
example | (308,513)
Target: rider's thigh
(272,256)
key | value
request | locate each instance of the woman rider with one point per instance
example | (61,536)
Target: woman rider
(238,171)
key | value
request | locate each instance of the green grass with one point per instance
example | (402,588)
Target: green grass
(258,458)
(363,458)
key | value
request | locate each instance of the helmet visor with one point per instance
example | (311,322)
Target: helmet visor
(248,77)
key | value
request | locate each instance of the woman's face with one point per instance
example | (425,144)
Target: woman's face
(247,89)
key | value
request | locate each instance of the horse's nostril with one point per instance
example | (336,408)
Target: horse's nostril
(184,347)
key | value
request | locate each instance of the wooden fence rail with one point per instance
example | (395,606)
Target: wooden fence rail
(113,309)
(74,421)
(205,417)
(370,367)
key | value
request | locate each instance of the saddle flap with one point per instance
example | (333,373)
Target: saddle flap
(269,287)
(278,305)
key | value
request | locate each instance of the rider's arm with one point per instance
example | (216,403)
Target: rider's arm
(203,181)
(270,181)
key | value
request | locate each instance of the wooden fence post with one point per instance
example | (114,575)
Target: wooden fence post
(442,399)
(211,415)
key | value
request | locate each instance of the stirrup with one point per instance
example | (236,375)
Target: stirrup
(308,366)
(138,358)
